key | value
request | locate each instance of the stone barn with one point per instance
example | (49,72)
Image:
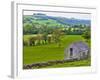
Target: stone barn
(77,50)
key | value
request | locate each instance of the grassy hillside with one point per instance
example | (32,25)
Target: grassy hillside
(60,20)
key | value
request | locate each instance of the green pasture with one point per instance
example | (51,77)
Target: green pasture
(51,51)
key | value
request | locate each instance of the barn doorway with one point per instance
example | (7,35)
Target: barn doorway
(71,52)
(83,54)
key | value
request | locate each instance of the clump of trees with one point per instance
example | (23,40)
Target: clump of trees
(39,39)
(78,29)
(87,35)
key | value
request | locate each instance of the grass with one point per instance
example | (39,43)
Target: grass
(79,63)
(72,64)
(42,53)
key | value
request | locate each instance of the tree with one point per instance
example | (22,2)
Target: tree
(57,35)
(27,28)
(87,35)
(45,37)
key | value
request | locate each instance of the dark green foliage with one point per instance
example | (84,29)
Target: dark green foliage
(87,34)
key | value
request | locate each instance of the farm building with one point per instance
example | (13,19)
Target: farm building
(77,50)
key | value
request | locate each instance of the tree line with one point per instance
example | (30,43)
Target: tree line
(46,34)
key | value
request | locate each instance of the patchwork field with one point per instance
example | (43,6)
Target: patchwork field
(47,52)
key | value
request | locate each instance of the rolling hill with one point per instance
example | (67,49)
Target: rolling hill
(38,17)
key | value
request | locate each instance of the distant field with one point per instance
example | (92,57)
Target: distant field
(42,53)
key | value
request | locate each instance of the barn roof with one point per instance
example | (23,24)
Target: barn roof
(80,45)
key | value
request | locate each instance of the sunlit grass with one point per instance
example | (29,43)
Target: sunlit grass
(47,52)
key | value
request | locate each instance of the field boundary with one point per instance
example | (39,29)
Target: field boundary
(48,63)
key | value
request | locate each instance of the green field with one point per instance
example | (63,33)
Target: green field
(47,52)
